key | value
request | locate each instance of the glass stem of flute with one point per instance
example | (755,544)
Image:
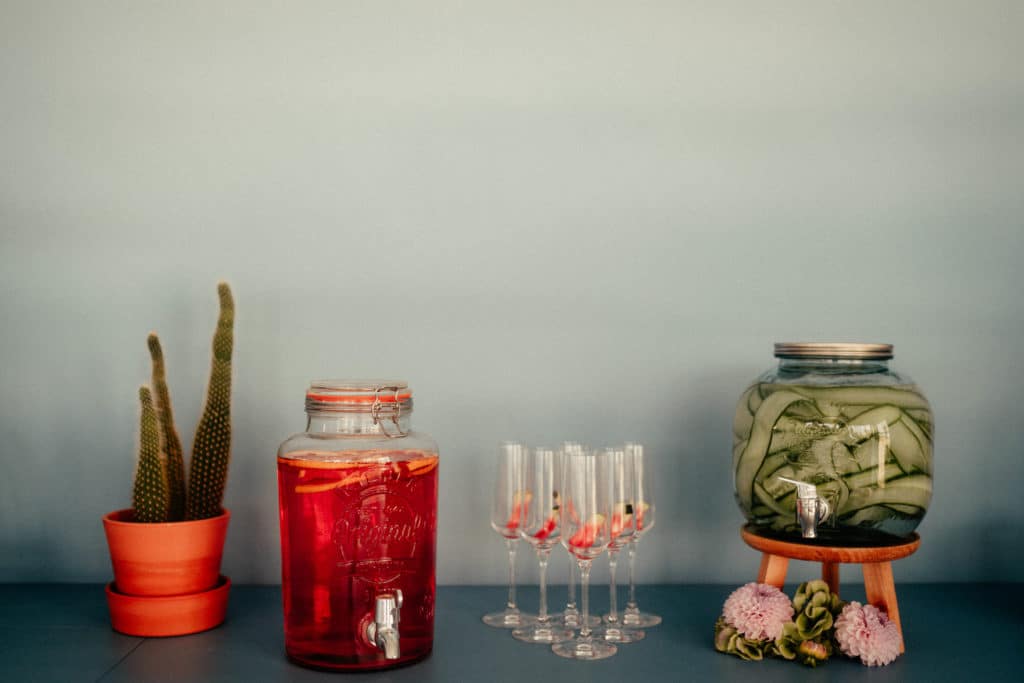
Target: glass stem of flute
(632,568)
(585,598)
(572,586)
(542,559)
(613,613)
(511,543)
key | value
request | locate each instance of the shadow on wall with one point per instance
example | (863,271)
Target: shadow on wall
(695,492)
(33,559)
(1001,553)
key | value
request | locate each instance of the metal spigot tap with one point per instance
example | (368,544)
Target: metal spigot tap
(811,509)
(383,630)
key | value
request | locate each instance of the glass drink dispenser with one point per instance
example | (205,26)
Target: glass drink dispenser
(833,445)
(358,507)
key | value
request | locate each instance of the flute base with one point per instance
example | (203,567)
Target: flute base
(544,634)
(509,618)
(875,561)
(619,634)
(589,647)
(571,619)
(637,619)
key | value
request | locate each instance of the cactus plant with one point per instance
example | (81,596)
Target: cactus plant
(160,493)
(172,444)
(211,447)
(149,497)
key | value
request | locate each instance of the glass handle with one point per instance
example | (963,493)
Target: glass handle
(823,510)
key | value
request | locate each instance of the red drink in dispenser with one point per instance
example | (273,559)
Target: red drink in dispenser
(358,503)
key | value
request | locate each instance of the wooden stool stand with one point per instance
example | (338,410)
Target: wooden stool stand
(876,563)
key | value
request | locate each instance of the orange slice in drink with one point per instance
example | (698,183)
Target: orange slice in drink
(520,501)
(551,522)
(640,509)
(588,533)
(622,519)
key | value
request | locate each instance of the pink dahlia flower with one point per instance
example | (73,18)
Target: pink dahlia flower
(865,631)
(758,611)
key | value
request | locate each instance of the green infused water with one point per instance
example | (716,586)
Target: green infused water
(867,449)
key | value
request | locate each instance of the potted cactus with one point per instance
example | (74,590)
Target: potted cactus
(166,549)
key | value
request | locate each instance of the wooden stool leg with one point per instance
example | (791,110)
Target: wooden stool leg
(773,570)
(881,591)
(830,575)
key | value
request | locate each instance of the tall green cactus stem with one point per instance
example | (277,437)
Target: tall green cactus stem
(149,496)
(211,448)
(172,444)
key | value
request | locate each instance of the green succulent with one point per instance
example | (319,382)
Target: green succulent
(816,608)
(729,641)
(792,646)
(808,638)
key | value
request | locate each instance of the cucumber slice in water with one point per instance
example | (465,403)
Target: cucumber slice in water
(753,454)
(867,449)
(906,448)
(914,490)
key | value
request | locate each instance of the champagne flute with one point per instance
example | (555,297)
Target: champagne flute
(571,614)
(507,509)
(622,491)
(540,527)
(643,513)
(585,517)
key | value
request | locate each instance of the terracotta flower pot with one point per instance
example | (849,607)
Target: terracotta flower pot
(170,558)
(174,615)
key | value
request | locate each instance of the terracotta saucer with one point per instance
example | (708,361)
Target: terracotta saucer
(173,615)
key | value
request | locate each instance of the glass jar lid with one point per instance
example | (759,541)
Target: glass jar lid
(838,350)
(384,400)
(356,392)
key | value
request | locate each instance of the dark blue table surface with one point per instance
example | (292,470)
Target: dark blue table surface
(60,632)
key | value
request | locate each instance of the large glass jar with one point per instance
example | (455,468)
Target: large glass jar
(833,444)
(358,504)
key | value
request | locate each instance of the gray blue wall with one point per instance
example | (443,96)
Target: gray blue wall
(556,220)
